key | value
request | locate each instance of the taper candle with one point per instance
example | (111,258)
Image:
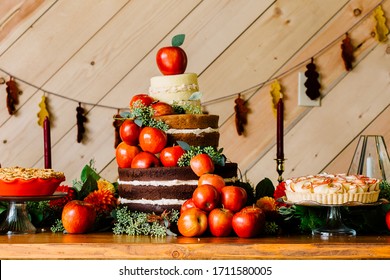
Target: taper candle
(47,143)
(279,128)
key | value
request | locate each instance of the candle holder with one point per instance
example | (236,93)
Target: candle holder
(371,158)
(280,168)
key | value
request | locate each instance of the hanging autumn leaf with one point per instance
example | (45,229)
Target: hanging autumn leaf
(312,84)
(276,93)
(241,112)
(347,52)
(43,112)
(81,119)
(381,29)
(12,95)
(117,124)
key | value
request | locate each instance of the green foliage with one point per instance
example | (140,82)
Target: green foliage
(384,187)
(57,226)
(143,116)
(87,182)
(139,223)
(264,188)
(178,40)
(216,155)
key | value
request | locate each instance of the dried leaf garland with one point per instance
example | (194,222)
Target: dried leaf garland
(347,52)
(117,124)
(12,95)
(312,84)
(241,112)
(43,112)
(81,119)
(276,93)
(381,29)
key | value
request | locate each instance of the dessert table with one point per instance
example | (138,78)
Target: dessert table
(108,246)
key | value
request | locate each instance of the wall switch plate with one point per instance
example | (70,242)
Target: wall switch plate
(303,99)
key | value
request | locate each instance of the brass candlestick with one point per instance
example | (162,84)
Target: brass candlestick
(280,168)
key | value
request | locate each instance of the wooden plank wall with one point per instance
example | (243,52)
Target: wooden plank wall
(101,53)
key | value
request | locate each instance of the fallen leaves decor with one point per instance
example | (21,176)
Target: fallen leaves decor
(12,95)
(81,119)
(241,112)
(43,112)
(381,29)
(312,84)
(117,124)
(347,52)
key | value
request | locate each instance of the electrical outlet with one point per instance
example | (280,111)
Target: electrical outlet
(303,99)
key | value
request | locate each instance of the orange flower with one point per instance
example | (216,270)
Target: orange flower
(266,203)
(103,184)
(103,200)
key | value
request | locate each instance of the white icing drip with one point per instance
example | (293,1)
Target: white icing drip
(170,183)
(163,201)
(196,131)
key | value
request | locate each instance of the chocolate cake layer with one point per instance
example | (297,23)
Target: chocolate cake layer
(171,173)
(202,139)
(182,192)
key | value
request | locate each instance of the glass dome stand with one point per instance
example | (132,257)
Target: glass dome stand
(334,225)
(17,220)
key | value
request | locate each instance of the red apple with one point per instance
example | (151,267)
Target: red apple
(142,98)
(78,216)
(124,154)
(249,222)
(215,180)
(129,132)
(161,109)
(152,139)
(388,219)
(202,164)
(188,204)
(169,156)
(145,160)
(192,222)
(220,222)
(206,197)
(172,60)
(233,198)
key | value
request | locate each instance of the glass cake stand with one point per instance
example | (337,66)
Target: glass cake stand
(334,225)
(17,220)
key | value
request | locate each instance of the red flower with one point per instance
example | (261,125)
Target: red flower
(280,193)
(60,202)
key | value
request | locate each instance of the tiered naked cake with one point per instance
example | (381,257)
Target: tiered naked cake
(162,188)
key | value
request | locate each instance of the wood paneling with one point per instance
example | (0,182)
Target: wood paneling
(101,53)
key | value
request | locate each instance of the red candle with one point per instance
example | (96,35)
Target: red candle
(47,142)
(279,129)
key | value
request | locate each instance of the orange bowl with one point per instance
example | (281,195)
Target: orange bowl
(30,187)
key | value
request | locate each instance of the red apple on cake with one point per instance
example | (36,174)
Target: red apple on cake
(388,219)
(172,60)
(145,160)
(142,98)
(125,154)
(169,156)
(161,109)
(78,216)
(202,164)
(152,139)
(192,222)
(129,132)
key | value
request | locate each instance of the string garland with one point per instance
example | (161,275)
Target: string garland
(250,90)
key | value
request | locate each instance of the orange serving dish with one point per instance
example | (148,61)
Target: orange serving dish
(29,187)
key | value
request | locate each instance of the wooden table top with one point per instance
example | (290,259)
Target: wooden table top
(109,246)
